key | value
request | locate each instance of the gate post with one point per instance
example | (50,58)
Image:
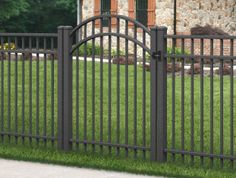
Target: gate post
(158,94)
(64,88)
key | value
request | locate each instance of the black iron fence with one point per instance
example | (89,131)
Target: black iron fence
(123,90)
(202,78)
(28,90)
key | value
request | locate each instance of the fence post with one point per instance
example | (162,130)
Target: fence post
(60,86)
(158,94)
(64,88)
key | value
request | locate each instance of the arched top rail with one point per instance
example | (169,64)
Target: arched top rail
(135,22)
(111,34)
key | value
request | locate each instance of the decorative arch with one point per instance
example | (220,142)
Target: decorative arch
(101,34)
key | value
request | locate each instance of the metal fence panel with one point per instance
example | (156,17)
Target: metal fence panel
(101,97)
(28,87)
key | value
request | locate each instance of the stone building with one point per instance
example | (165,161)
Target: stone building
(178,15)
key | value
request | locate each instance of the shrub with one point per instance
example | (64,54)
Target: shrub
(3,56)
(122,60)
(196,69)
(114,53)
(170,66)
(89,49)
(226,70)
(7,46)
(207,30)
(97,51)
(147,67)
(177,51)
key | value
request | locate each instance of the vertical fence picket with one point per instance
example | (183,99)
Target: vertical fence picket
(109,86)
(192,102)
(232,103)
(135,92)
(118,88)
(211,101)
(30,91)
(221,102)
(85,90)
(2,91)
(93,88)
(37,92)
(126,90)
(77,108)
(144,96)
(182,98)
(23,90)
(173,96)
(202,99)
(9,89)
(52,92)
(45,93)
(101,85)
(16,91)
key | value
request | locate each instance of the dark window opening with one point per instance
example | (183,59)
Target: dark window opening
(141,11)
(105,9)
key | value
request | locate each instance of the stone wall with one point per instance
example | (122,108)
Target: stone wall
(88,9)
(165,14)
(218,13)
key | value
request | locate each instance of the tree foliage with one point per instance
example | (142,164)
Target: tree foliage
(9,8)
(41,16)
(68,4)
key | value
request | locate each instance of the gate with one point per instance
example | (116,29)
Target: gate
(109,94)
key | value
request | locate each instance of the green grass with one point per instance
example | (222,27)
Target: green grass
(97,161)
(145,167)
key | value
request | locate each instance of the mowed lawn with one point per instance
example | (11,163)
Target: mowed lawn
(48,92)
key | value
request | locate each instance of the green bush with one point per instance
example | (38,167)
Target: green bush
(97,51)
(89,49)
(7,46)
(115,53)
(176,51)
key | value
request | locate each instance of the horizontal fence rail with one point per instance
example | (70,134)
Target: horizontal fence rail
(122,90)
